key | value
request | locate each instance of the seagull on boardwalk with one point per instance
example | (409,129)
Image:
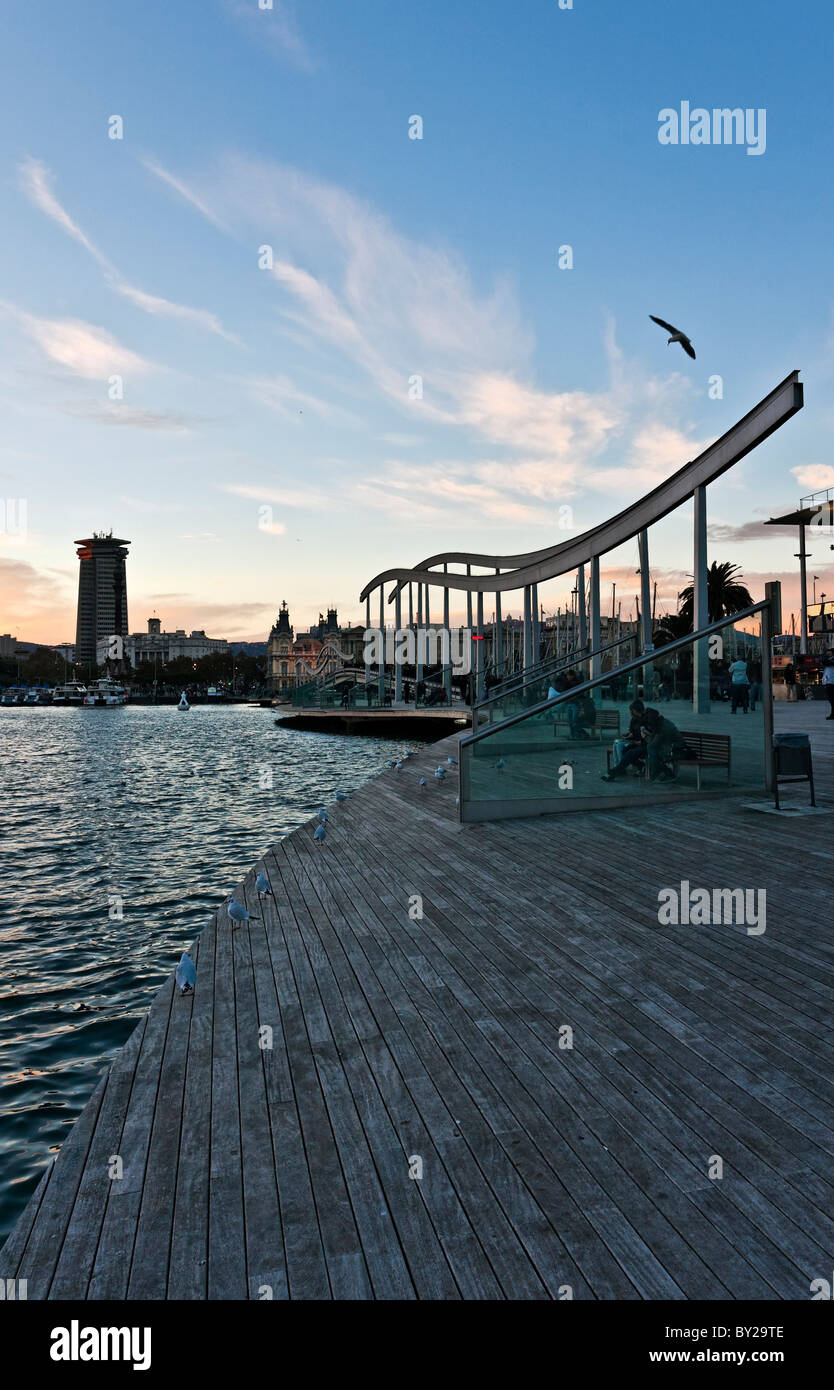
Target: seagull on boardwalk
(440,774)
(341,796)
(422,782)
(677,336)
(186,974)
(322,814)
(262,886)
(398,767)
(453,762)
(320,833)
(238,913)
(499,765)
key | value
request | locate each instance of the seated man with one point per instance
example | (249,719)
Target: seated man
(664,743)
(582,715)
(633,741)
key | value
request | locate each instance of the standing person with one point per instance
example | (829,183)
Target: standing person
(739,684)
(755,683)
(790,681)
(828,681)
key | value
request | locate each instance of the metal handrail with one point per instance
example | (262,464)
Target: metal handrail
(533,673)
(645,659)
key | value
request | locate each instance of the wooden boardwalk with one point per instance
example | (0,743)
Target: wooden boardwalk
(433,1045)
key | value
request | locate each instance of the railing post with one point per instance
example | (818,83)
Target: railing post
(418,664)
(469,602)
(382,653)
(398,670)
(596,627)
(534,613)
(526,643)
(367,649)
(580,607)
(480,658)
(645,592)
(498,639)
(700,605)
(447,658)
(767,679)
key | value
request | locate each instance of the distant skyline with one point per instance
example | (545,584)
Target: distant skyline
(235,306)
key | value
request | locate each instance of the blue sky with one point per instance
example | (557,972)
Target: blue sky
(247,388)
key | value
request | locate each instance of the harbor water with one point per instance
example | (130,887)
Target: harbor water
(122,829)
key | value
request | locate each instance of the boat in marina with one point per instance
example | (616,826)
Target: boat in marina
(13,696)
(104,694)
(72,693)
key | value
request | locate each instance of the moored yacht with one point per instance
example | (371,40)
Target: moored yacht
(70,694)
(104,694)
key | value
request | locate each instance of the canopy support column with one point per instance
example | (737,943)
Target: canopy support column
(700,606)
(596,627)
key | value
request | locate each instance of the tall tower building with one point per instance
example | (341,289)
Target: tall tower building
(102,593)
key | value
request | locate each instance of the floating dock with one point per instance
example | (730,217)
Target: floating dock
(466,1062)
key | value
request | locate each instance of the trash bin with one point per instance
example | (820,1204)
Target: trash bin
(792,762)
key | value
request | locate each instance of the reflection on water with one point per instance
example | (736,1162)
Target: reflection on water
(165,811)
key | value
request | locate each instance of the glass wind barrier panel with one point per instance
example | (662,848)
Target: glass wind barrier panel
(687,722)
(558,677)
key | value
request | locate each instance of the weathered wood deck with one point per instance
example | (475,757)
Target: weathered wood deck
(395,1039)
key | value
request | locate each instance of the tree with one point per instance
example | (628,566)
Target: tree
(725,594)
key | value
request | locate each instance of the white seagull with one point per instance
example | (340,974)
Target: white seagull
(677,336)
(320,833)
(262,886)
(341,796)
(186,974)
(238,913)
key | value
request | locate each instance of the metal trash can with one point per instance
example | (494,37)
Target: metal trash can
(792,762)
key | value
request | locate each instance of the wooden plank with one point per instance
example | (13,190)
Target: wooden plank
(188,1262)
(78,1251)
(111,1270)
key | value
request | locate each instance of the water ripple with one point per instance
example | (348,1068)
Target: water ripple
(138,811)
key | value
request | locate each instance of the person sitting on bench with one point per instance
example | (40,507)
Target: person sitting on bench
(630,751)
(582,715)
(664,742)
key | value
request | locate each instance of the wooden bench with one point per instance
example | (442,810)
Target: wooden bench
(607,722)
(704,750)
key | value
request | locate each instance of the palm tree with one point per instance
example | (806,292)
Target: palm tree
(725,595)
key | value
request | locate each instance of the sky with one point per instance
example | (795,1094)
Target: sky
(280,345)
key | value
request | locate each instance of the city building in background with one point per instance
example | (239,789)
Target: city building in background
(102,595)
(163,647)
(294,658)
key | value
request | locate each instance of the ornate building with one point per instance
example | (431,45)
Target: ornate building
(293,659)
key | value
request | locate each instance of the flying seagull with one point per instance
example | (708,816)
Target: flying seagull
(186,974)
(677,336)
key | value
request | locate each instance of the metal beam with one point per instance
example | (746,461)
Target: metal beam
(536,566)
(645,592)
(700,608)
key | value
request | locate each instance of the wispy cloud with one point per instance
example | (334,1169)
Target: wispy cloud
(187,194)
(282,496)
(81,348)
(814,475)
(36,182)
(167,308)
(129,417)
(280,394)
(275,28)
